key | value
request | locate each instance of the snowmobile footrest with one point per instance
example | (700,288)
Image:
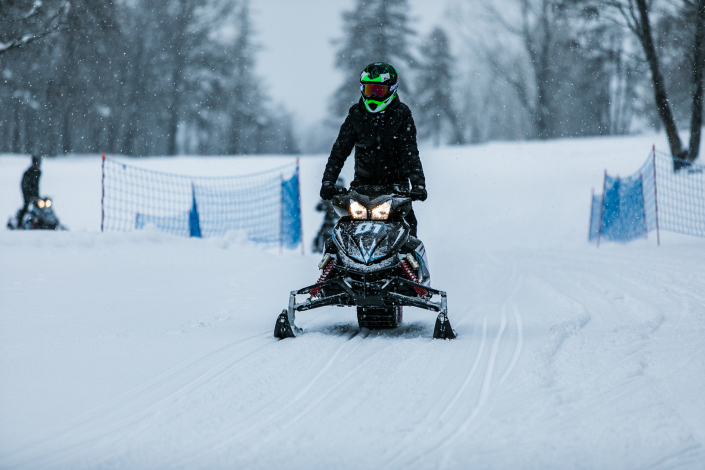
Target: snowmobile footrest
(443,330)
(283,329)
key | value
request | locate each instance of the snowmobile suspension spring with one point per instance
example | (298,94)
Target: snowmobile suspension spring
(409,274)
(327,270)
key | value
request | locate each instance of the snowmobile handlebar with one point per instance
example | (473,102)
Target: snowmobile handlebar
(373,191)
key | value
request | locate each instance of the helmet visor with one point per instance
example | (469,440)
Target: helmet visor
(374,89)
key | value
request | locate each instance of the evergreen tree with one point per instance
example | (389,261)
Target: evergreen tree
(375,31)
(80,64)
(434,90)
(147,77)
(246,96)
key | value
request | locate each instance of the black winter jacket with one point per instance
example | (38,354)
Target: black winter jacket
(30,184)
(385,147)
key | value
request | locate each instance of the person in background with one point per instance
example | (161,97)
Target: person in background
(329,220)
(30,186)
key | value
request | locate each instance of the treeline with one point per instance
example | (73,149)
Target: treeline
(138,77)
(145,77)
(536,68)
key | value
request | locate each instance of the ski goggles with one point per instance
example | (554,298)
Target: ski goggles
(375,89)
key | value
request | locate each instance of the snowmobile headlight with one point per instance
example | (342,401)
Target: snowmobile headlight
(381,212)
(357,210)
(48,203)
(40,203)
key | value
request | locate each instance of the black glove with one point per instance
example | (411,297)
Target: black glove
(418,193)
(328,190)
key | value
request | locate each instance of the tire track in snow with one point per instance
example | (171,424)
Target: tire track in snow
(487,380)
(108,423)
(509,280)
(287,423)
(485,390)
(689,457)
(356,339)
(432,416)
(471,374)
(327,366)
(519,345)
(240,427)
(285,419)
(639,306)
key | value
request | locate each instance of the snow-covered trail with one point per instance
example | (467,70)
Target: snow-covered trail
(150,351)
(550,365)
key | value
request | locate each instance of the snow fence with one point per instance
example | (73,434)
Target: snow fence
(654,198)
(266,206)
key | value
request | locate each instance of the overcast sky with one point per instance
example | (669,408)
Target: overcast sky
(296,60)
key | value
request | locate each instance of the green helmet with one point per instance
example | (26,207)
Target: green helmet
(378,85)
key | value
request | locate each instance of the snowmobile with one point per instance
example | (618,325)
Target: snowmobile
(371,262)
(39,216)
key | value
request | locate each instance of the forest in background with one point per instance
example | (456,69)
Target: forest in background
(164,77)
(142,77)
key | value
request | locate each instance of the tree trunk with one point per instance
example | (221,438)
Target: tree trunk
(696,120)
(67,92)
(135,79)
(16,127)
(181,24)
(50,120)
(661,97)
(537,43)
(173,124)
(4,129)
(236,123)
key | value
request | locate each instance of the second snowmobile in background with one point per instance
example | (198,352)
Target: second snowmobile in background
(371,262)
(39,216)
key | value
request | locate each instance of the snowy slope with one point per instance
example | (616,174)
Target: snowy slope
(143,350)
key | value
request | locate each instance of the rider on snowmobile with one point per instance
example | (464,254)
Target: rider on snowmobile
(382,130)
(30,186)
(377,267)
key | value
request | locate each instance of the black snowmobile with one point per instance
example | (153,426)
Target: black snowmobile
(39,216)
(373,263)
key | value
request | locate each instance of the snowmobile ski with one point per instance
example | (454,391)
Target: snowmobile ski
(283,328)
(443,330)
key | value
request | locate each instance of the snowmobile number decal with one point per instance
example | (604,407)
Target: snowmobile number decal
(365,227)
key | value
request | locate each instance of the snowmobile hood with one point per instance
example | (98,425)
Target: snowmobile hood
(367,241)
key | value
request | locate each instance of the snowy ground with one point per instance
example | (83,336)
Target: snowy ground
(142,350)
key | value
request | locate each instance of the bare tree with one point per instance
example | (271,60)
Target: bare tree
(536,29)
(636,15)
(22,23)
(697,81)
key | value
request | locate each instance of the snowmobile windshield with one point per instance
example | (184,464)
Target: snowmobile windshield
(373,191)
(373,203)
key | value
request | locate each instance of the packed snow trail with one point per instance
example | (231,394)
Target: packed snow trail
(143,350)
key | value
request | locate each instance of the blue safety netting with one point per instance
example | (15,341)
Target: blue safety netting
(266,205)
(654,198)
(291,211)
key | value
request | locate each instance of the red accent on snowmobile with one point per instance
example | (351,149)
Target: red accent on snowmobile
(409,274)
(327,270)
